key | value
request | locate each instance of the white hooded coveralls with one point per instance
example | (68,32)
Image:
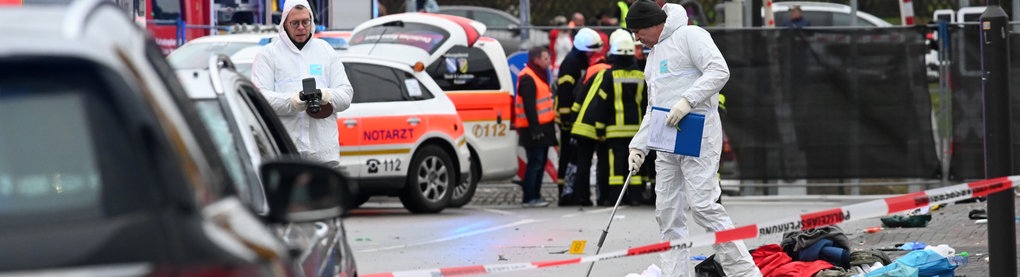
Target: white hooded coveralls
(686,63)
(278,70)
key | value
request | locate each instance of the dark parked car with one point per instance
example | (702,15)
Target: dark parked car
(106,169)
(246,132)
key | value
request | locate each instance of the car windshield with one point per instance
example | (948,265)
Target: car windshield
(196,55)
(493,20)
(425,37)
(216,122)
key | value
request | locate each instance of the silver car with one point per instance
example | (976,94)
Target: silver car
(247,132)
(106,169)
(501,26)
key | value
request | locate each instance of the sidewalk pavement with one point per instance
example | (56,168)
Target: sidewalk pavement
(950,225)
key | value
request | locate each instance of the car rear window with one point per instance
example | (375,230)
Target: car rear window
(464,68)
(425,37)
(46,162)
(817,18)
(493,20)
(58,142)
(375,83)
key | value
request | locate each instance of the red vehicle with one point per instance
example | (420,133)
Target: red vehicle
(164,18)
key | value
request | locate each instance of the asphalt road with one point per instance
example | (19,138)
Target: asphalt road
(495,229)
(387,238)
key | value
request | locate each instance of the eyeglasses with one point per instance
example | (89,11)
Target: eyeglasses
(296,23)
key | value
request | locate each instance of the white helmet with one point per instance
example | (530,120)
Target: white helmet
(587,40)
(621,43)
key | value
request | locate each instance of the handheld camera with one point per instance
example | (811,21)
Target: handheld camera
(311,95)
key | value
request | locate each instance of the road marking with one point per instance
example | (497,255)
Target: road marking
(804,221)
(497,211)
(482,231)
(457,236)
(589,212)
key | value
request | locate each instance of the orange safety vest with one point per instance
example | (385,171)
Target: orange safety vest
(595,68)
(543,101)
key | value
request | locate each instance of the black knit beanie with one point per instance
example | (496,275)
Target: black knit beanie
(644,14)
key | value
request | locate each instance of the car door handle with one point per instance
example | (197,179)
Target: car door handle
(413,121)
(350,123)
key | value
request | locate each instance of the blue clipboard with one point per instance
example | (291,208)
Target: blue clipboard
(688,135)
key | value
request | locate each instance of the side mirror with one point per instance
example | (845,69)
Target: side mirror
(303,191)
(514,28)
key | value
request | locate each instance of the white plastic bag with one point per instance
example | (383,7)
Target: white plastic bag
(652,271)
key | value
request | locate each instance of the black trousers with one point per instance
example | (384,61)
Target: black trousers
(586,149)
(618,150)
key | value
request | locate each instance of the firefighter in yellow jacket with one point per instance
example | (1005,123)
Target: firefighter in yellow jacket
(586,144)
(587,43)
(612,110)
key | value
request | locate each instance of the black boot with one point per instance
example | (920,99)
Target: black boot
(634,195)
(609,198)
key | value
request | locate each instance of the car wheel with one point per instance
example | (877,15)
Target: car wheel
(430,178)
(463,192)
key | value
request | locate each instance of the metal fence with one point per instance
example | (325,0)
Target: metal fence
(543,11)
(830,103)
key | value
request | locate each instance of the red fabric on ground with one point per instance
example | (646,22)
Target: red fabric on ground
(773,262)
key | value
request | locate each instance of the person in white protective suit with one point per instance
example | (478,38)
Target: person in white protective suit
(685,72)
(278,71)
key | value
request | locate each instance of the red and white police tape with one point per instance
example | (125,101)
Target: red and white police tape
(864,210)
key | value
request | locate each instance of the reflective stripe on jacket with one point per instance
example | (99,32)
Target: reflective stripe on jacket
(629,100)
(614,105)
(589,122)
(583,89)
(624,8)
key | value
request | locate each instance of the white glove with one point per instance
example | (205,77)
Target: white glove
(636,159)
(327,96)
(678,111)
(296,103)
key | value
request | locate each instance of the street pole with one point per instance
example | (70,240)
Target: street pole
(1016,9)
(756,19)
(853,13)
(525,27)
(268,9)
(946,99)
(994,30)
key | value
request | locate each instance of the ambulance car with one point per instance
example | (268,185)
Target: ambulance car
(469,68)
(401,136)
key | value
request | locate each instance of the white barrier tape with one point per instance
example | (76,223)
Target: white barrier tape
(854,212)
(907,12)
